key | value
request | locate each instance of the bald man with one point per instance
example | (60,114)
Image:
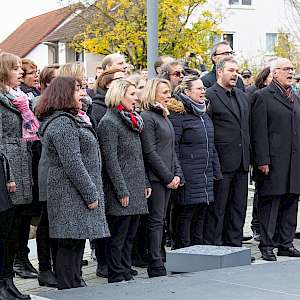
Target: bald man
(276,153)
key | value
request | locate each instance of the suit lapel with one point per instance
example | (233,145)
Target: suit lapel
(224,99)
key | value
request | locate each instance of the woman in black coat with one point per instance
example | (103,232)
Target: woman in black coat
(164,172)
(194,136)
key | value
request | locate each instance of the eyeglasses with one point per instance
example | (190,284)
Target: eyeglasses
(78,87)
(31,73)
(287,69)
(225,53)
(177,73)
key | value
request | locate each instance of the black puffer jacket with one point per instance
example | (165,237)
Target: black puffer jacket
(194,140)
(98,106)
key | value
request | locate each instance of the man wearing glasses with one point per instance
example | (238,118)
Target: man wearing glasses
(220,51)
(276,154)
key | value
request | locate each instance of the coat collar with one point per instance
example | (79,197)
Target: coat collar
(221,94)
(279,96)
(5,100)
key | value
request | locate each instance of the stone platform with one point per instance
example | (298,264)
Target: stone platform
(204,257)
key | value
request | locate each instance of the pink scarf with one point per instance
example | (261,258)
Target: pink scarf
(82,114)
(30,124)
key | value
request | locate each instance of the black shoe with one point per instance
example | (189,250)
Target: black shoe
(247,238)
(128,277)
(4,293)
(252,259)
(84,262)
(12,289)
(268,254)
(102,271)
(297,235)
(82,283)
(134,272)
(291,252)
(24,269)
(156,271)
(116,279)
(47,278)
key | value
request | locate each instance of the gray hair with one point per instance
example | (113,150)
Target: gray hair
(165,69)
(221,64)
(108,60)
(275,63)
(216,46)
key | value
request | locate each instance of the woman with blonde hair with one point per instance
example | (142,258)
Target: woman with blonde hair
(125,182)
(18,129)
(163,169)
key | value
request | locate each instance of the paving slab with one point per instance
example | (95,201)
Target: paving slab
(206,257)
(268,282)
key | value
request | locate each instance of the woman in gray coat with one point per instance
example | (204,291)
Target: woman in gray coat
(125,184)
(74,187)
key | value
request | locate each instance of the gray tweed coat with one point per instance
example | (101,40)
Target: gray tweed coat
(74,178)
(124,171)
(16,150)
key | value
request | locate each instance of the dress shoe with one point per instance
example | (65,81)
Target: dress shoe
(102,271)
(4,293)
(116,279)
(247,238)
(134,272)
(292,252)
(128,277)
(47,278)
(156,271)
(12,289)
(268,254)
(84,262)
(297,235)
(24,269)
(252,259)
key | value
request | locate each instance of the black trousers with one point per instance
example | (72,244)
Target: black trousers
(255,222)
(100,250)
(226,216)
(157,205)
(190,225)
(68,263)
(119,246)
(8,240)
(278,220)
(46,247)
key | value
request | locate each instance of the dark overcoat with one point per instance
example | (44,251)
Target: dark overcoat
(232,138)
(194,140)
(276,141)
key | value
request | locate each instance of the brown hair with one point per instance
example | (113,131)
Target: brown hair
(46,76)
(8,62)
(28,64)
(262,77)
(58,96)
(106,78)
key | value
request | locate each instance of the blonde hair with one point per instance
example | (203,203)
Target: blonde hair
(74,70)
(8,62)
(28,64)
(117,91)
(186,83)
(149,95)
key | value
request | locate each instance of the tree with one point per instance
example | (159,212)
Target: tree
(121,26)
(286,47)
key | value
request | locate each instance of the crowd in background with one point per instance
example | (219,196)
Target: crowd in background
(135,164)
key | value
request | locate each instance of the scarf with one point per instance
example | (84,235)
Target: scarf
(160,109)
(82,114)
(131,118)
(286,92)
(198,109)
(30,124)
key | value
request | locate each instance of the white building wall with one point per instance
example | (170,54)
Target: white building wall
(91,61)
(39,55)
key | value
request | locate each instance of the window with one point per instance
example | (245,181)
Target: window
(229,38)
(240,2)
(79,56)
(271,39)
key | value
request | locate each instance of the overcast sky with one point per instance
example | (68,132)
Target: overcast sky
(15,12)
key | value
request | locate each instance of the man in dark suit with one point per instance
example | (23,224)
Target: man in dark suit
(229,109)
(276,153)
(220,51)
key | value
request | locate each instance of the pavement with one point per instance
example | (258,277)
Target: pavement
(260,280)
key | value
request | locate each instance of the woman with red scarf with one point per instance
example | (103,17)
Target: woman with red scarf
(124,179)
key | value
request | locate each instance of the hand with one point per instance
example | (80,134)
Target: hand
(265,169)
(148,192)
(174,183)
(124,201)
(93,205)
(11,187)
